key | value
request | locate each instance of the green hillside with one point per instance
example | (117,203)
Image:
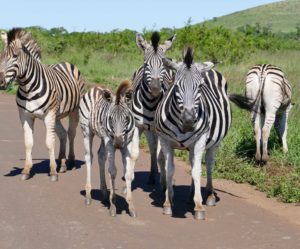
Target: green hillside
(283,16)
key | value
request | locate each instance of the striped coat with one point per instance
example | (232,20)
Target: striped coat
(45,92)
(110,118)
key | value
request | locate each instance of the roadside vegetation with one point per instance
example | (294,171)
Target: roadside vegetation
(108,58)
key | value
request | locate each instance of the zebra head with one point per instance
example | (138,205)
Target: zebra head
(154,70)
(186,94)
(18,44)
(120,122)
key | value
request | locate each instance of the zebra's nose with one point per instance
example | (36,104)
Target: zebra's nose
(118,141)
(188,119)
(155,87)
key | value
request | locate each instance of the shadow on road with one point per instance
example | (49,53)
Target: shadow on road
(41,167)
(182,204)
(121,203)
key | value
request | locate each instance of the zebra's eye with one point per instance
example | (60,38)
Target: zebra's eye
(127,119)
(15,56)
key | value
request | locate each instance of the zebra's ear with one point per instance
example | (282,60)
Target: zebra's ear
(168,43)
(4,37)
(205,66)
(170,64)
(107,95)
(141,42)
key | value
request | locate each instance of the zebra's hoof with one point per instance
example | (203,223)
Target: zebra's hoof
(132,213)
(211,201)
(112,211)
(24,177)
(167,211)
(53,178)
(63,169)
(88,201)
(199,215)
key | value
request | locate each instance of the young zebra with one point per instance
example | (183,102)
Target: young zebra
(149,84)
(269,94)
(194,115)
(46,92)
(111,119)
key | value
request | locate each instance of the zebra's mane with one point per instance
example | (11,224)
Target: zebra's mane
(155,40)
(188,57)
(123,87)
(26,40)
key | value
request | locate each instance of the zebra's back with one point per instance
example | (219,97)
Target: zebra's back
(218,107)
(267,85)
(88,108)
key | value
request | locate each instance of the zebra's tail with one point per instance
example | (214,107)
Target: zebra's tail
(242,101)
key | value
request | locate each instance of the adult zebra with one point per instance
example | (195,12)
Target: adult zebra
(46,92)
(111,119)
(149,84)
(194,115)
(268,97)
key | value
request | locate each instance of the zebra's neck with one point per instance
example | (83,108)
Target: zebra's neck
(31,76)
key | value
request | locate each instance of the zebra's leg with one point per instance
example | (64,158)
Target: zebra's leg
(62,135)
(170,169)
(281,128)
(129,176)
(209,162)
(27,124)
(134,149)
(161,162)
(256,120)
(269,121)
(88,157)
(112,172)
(50,120)
(73,123)
(198,150)
(102,156)
(152,142)
(190,199)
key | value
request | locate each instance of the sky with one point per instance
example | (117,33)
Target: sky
(104,16)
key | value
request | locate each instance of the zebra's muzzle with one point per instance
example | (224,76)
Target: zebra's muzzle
(118,142)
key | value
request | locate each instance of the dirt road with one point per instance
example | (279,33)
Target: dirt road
(41,214)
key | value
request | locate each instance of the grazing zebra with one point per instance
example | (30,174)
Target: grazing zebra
(269,94)
(111,119)
(194,115)
(46,92)
(149,84)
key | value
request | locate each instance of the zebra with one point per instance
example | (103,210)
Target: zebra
(49,93)
(149,84)
(110,118)
(268,97)
(195,115)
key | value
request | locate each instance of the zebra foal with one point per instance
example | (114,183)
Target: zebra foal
(150,82)
(268,97)
(194,115)
(110,118)
(46,92)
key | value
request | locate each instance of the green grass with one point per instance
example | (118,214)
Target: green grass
(281,16)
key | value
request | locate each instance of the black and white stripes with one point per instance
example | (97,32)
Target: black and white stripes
(269,94)
(110,118)
(46,92)
(194,114)
(149,85)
